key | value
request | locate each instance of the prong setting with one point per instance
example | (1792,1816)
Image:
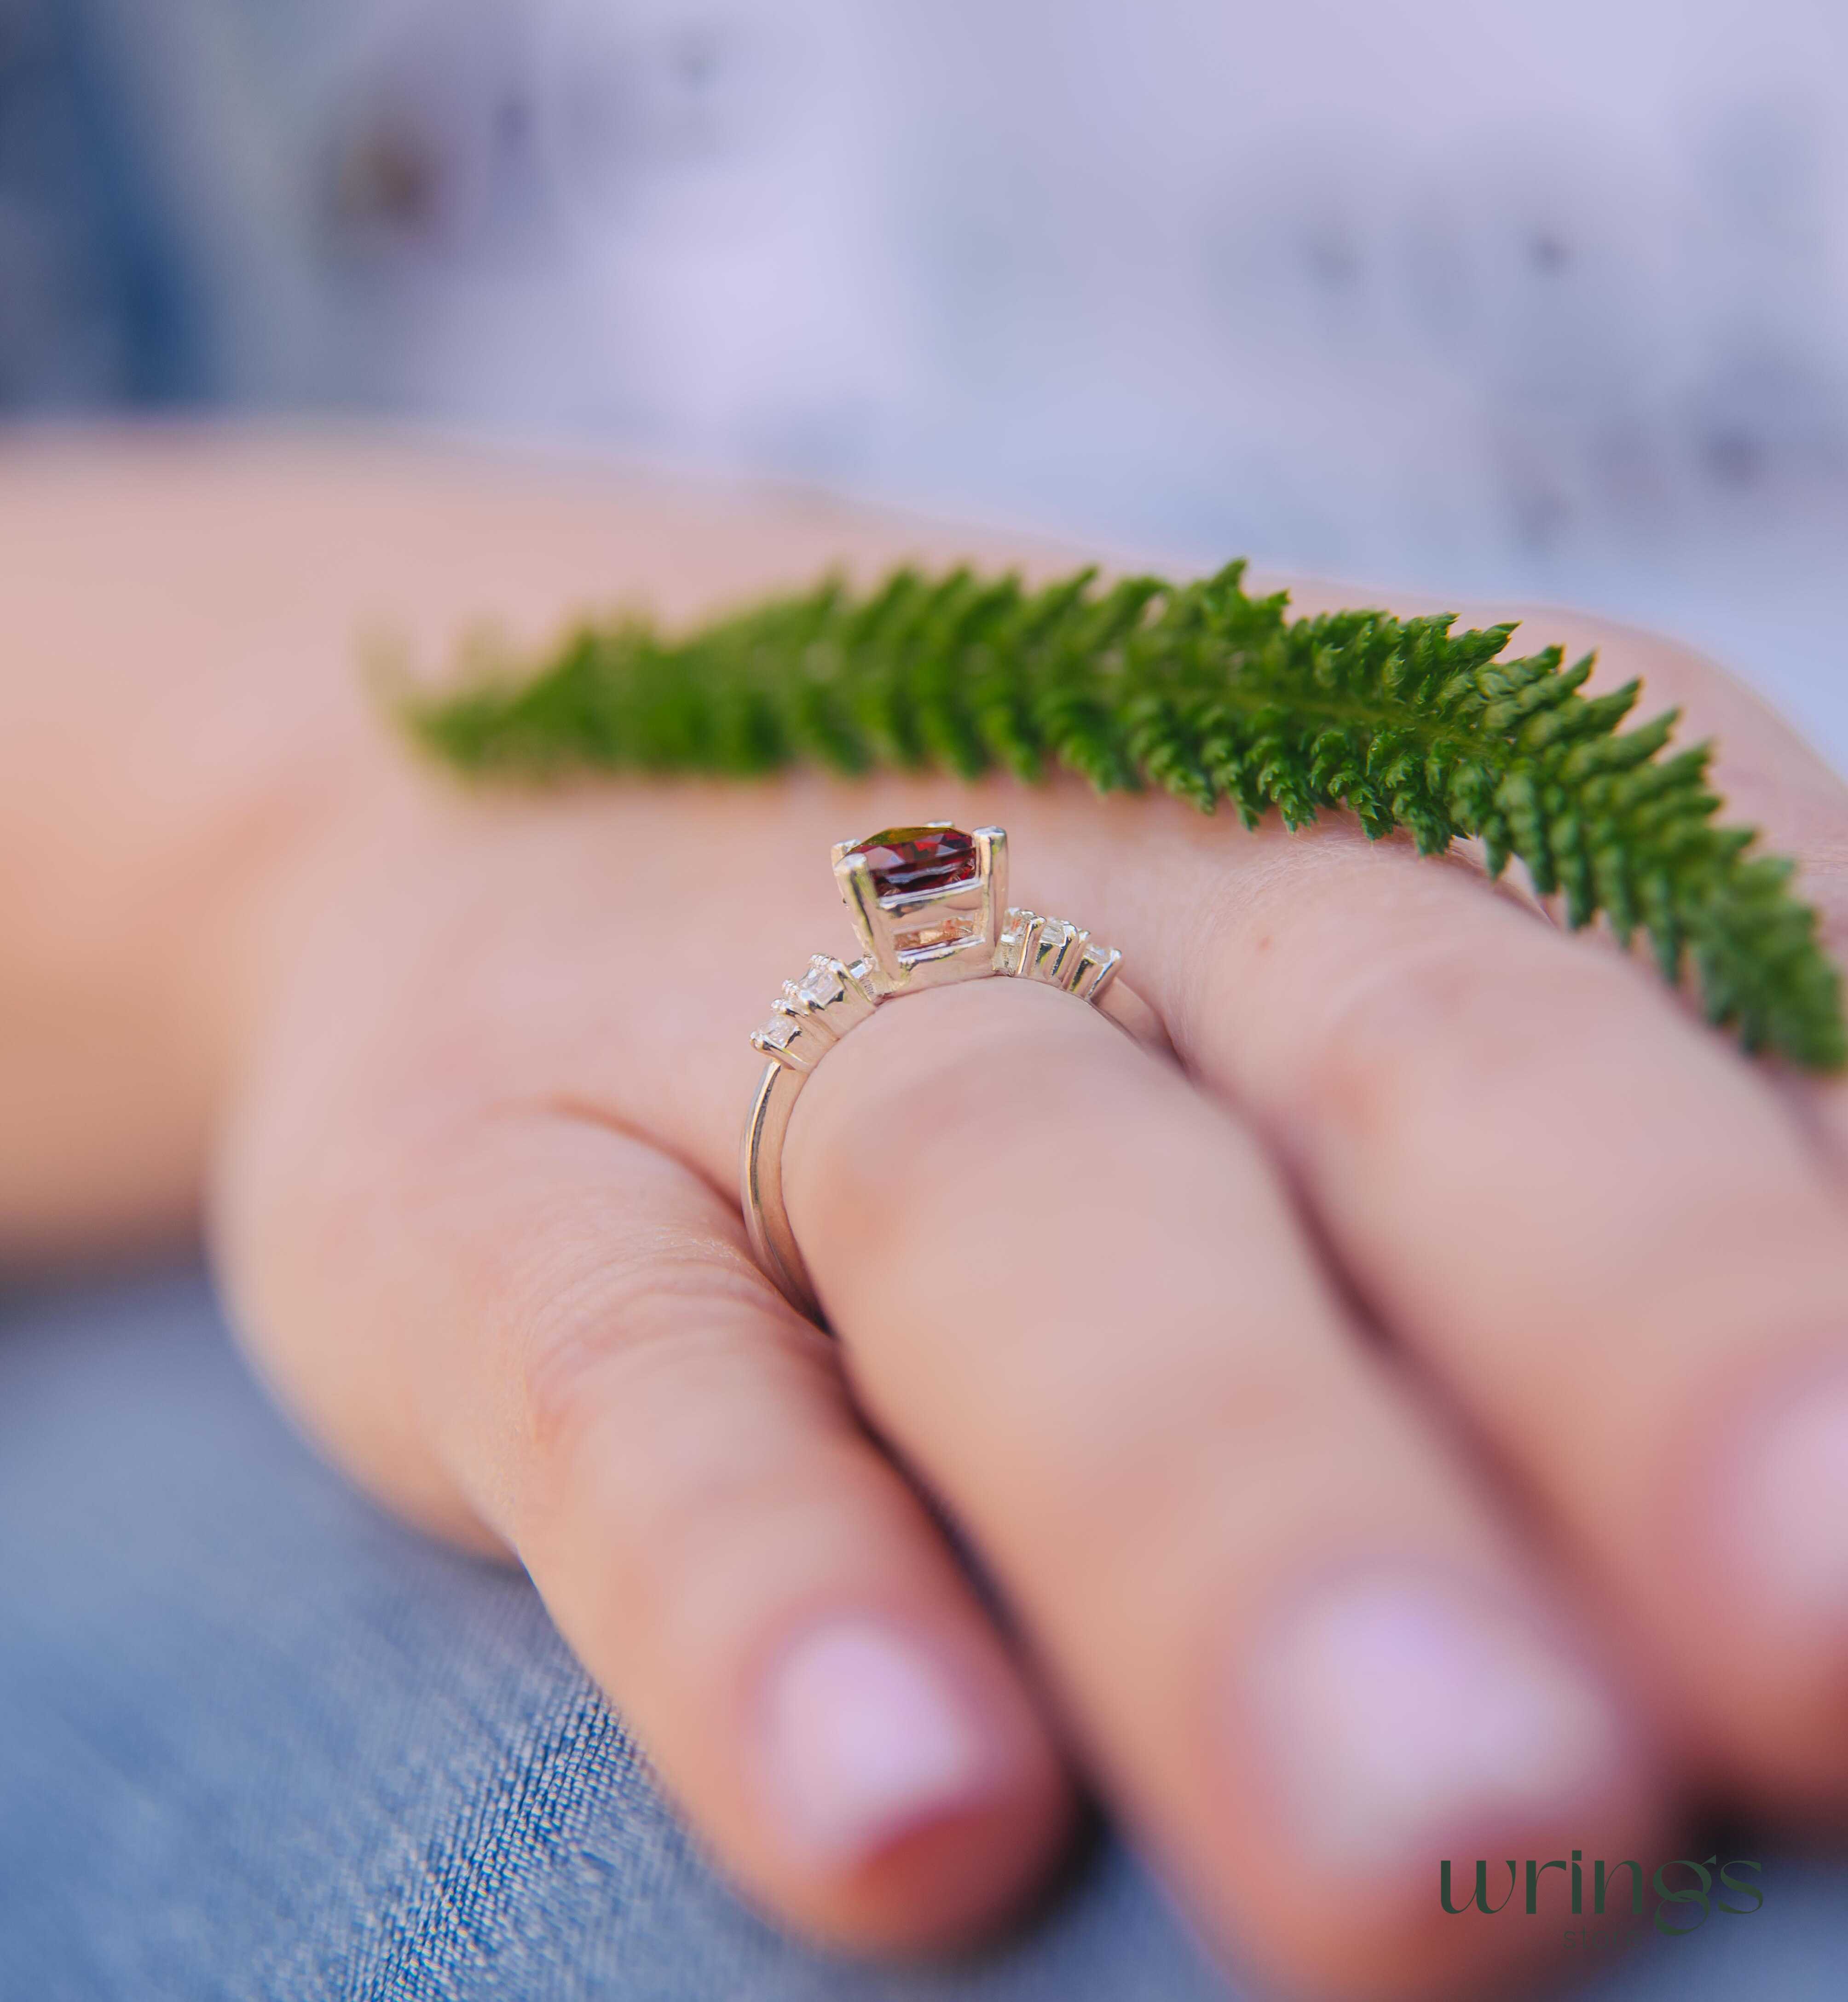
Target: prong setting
(854,877)
(991,852)
(927,917)
(787,1039)
(1096,972)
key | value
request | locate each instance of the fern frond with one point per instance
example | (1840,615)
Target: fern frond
(1210,694)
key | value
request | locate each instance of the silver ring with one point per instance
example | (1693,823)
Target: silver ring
(929,904)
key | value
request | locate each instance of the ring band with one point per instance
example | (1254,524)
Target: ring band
(929,904)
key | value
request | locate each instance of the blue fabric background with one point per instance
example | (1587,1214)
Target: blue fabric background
(258,1741)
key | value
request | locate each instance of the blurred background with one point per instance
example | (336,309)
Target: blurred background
(1544,297)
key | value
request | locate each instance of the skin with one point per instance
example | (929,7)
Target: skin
(1447,1245)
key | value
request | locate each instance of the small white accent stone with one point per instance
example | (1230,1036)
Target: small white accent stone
(820,984)
(1098,970)
(777,1032)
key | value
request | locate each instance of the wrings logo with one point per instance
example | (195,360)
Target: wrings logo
(1682,1906)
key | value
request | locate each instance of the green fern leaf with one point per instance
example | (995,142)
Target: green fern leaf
(1209,694)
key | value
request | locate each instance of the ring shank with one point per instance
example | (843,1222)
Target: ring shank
(766,1217)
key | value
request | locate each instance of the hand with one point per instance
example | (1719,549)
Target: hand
(1415,1426)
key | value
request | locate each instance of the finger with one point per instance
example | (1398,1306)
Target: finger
(1292,1637)
(531,1328)
(1770,780)
(1598,1225)
(1768,776)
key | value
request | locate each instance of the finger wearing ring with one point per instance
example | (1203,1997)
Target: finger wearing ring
(929,905)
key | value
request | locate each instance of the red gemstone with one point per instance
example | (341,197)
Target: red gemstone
(905,859)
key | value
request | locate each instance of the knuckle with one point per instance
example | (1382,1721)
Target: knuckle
(590,1345)
(1495,1018)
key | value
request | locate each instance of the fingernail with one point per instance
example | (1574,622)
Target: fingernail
(868,1739)
(1794,1511)
(1396,1710)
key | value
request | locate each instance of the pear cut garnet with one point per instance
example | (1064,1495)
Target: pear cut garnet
(906,860)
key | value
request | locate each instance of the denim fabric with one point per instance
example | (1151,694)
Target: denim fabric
(256,1741)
